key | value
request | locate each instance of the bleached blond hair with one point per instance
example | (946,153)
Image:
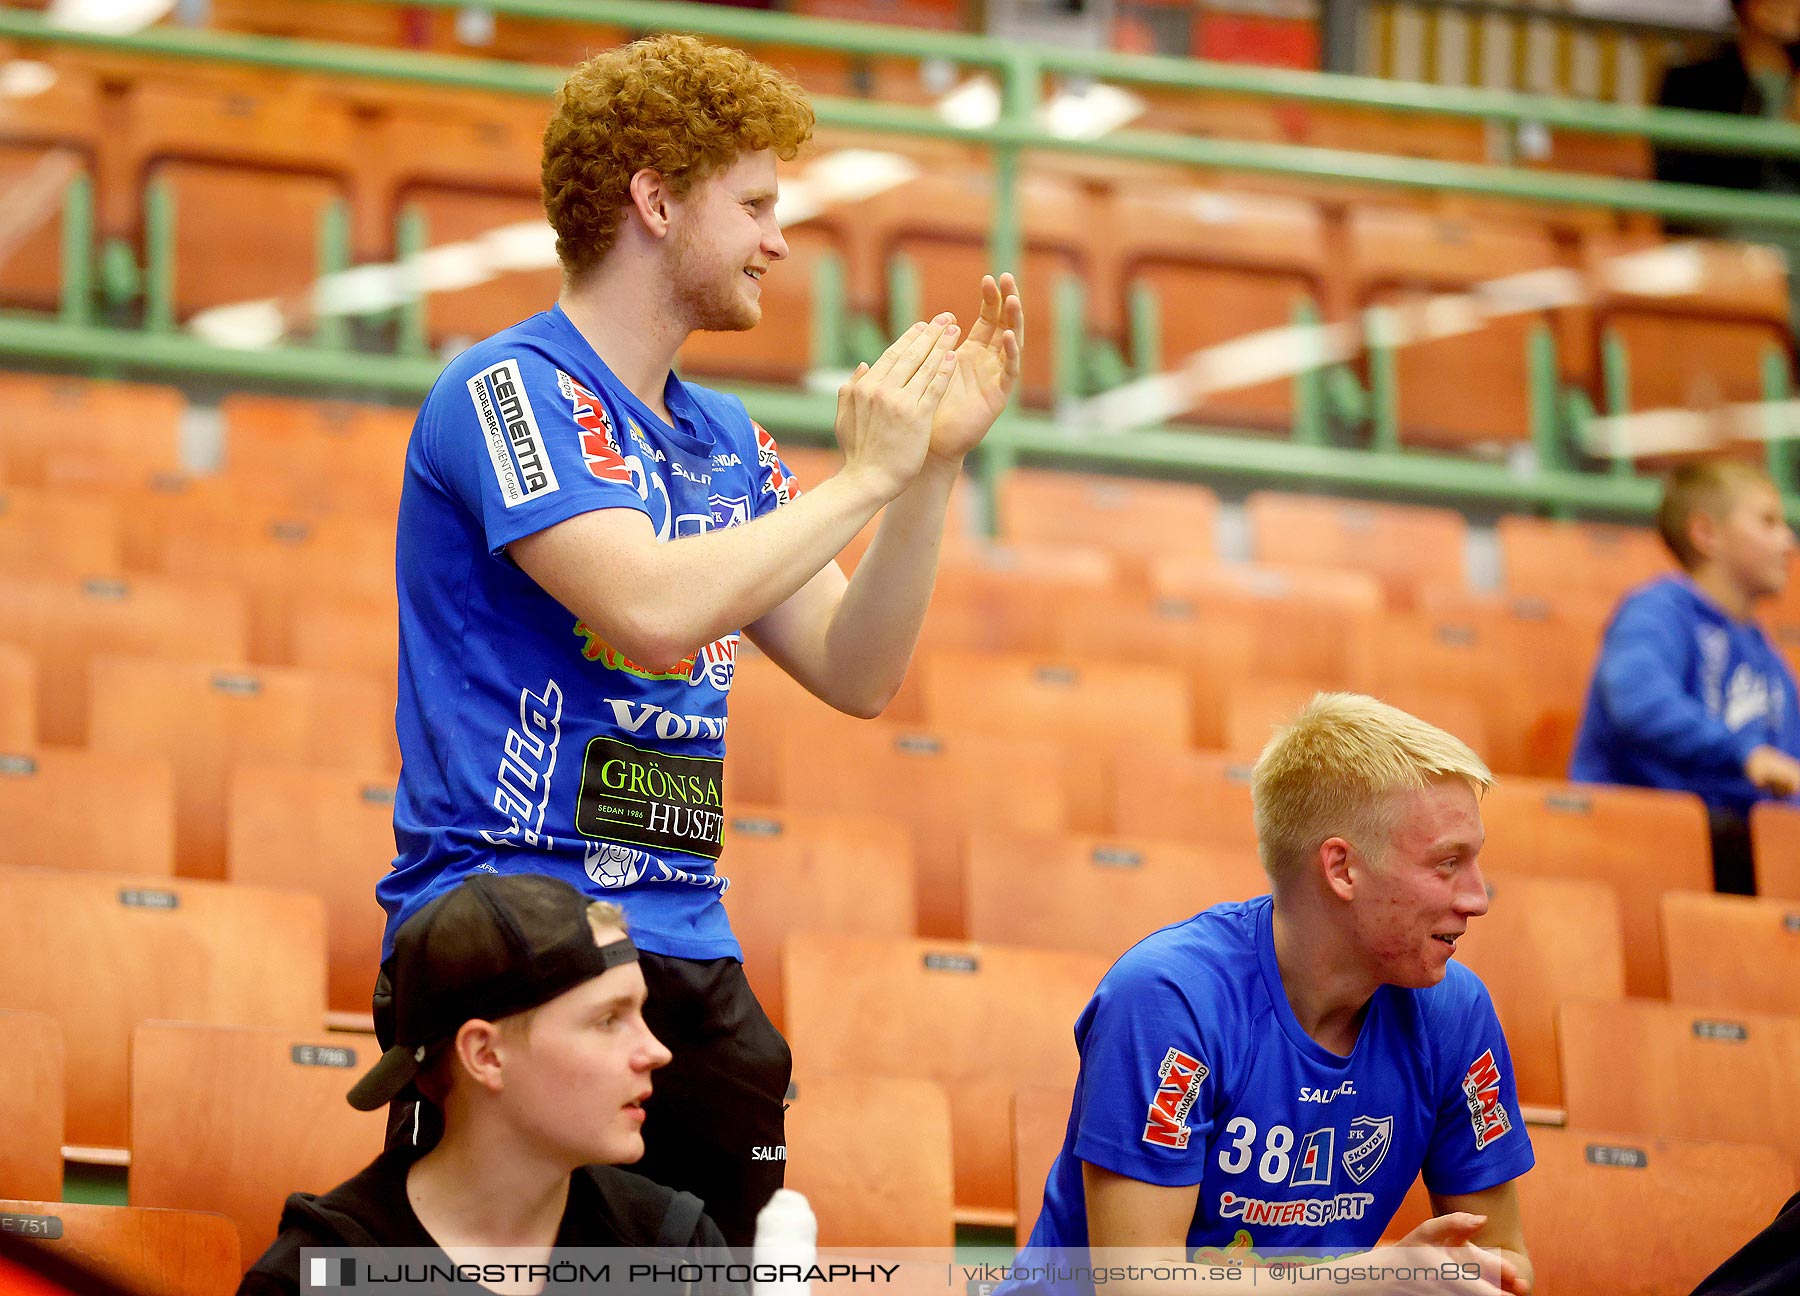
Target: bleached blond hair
(1335,771)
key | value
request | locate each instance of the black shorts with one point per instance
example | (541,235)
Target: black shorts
(714,1124)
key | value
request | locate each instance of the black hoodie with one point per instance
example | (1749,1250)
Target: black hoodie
(608,1207)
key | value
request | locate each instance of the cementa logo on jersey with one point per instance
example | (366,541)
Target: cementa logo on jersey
(510,432)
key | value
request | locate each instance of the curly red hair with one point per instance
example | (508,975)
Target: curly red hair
(673,103)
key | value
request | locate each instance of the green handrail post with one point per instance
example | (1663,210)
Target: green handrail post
(1018,101)
(1577,413)
(77,305)
(330,329)
(1545,380)
(1309,379)
(1068,376)
(904,294)
(826,347)
(160,215)
(1146,329)
(412,235)
(1384,380)
(1615,374)
(1777,387)
(1103,366)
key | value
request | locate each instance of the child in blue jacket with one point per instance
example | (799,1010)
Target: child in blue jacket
(1689,692)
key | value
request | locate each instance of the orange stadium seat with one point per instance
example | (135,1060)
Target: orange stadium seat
(1673,1209)
(1219,267)
(1399,256)
(357,450)
(1520,677)
(149,1252)
(358,636)
(1657,1068)
(1098,894)
(18,696)
(1006,598)
(66,623)
(766,704)
(45,532)
(204,719)
(1638,841)
(1213,647)
(939,783)
(1091,708)
(46,139)
(896,1191)
(71,431)
(1133,519)
(979,1019)
(262,123)
(106,951)
(444,142)
(1231,621)
(1528,659)
(1199,797)
(221,259)
(327,832)
(1735,953)
(1775,838)
(234,1118)
(31,1105)
(1541,941)
(794,871)
(1403,545)
(1040,1123)
(280,561)
(36,178)
(45,790)
(456,216)
(1696,319)
(1562,558)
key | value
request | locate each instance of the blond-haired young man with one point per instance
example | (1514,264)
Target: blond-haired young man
(1689,693)
(583,537)
(1269,1077)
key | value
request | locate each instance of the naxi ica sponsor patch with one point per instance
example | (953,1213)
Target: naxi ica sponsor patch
(1178,1081)
(1481,1089)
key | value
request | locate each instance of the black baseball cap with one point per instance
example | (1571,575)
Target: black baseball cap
(496,945)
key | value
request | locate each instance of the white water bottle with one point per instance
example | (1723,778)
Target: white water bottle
(787,1236)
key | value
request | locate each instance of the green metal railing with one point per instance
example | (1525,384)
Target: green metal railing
(1022,69)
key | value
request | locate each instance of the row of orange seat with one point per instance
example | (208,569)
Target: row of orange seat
(979,1020)
(937,822)
(1217,264)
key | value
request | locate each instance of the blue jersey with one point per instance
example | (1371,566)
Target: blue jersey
(527,741)
(1681,695)
(1194,1071)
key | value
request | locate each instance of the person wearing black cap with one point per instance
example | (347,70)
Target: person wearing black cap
(518,1013)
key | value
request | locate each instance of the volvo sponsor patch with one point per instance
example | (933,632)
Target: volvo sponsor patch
(510,431)
(640,797)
